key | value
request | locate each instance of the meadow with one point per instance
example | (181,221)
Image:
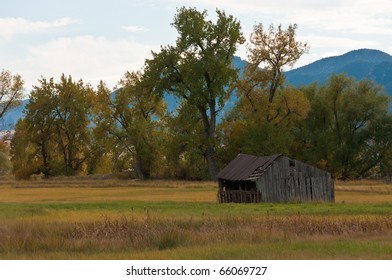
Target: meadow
(98,218)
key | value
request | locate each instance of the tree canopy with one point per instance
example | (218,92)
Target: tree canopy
(348,128)
(53,137)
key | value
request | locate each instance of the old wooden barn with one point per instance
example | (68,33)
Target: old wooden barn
(276,178)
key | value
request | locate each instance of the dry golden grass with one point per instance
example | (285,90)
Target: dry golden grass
(78,190)
(148,238)
(361,197)
(364,191)
(364,186)
(90,194)
(99,182)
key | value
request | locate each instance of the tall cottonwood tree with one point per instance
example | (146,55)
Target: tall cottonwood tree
(198,68)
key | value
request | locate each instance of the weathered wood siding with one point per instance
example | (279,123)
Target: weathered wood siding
(291,180)
(225,196)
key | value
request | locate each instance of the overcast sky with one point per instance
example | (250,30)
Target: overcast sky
(100,40)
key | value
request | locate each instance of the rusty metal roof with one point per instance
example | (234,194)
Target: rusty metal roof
(240,168)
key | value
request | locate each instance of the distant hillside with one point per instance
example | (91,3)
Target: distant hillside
(364,63)
(12,116)
(360,64)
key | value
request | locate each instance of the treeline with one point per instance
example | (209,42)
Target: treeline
(71,128)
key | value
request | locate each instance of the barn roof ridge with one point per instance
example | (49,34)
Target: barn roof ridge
(244,165)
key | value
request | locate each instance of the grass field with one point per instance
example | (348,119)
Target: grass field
(81,218)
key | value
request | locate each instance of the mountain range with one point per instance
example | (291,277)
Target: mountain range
(360,64)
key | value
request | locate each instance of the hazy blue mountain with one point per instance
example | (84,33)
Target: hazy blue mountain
(239,63)
(12,116)
(361,64)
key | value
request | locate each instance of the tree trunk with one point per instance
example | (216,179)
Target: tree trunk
(45,160)
(64,152)
(69,167)
(209,132)
(275,81)
(211,162)
(139,169)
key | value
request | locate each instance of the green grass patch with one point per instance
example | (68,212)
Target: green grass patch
(13,211)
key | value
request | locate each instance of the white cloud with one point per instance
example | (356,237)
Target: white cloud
(347,17)
(356,16)
(12,26)
(135,28)
(87,57)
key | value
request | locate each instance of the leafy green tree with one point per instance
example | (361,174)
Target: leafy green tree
(53,138)
(198,69)
(11,91)
(39,119)
(72,109)
(132,118)
(348,129)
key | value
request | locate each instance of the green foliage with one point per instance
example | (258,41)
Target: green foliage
(185,146)
(40,120)
(23,153)
(72,110)
(5,163)
(267,113)
(53,137)
(348,129)
(269,130)
(343,126)
(132,121)
(198,68)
